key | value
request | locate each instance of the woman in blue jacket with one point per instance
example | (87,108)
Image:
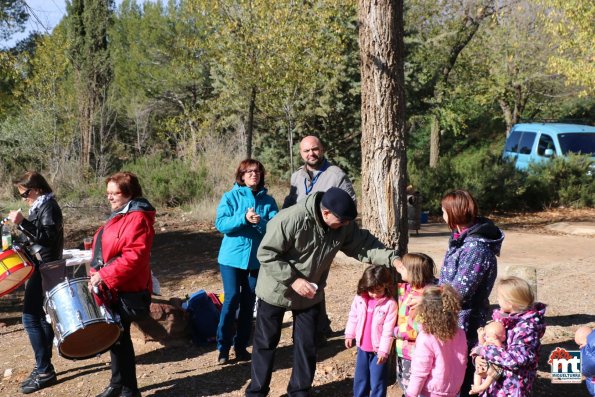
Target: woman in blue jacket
(242,216)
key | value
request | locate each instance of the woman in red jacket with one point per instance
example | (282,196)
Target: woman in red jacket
(122,267)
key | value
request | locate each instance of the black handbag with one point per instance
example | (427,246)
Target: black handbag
(134,305)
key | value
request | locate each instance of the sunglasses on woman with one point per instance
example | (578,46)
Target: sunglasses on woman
(25,194)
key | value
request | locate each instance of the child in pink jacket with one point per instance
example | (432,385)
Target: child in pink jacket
(440,357)
(371,322)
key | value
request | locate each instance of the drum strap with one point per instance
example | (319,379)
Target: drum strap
(97,262)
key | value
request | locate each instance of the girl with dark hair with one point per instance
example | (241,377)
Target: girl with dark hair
(44,227)
(371,323)
(242,216)
(470,265)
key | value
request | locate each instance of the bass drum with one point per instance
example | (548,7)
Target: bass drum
(15,269)
(82,328)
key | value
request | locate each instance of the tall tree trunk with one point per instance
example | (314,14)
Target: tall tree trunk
(87,24)
(250,127)
(85,125)
(384,156)
(473,18)
(434,141)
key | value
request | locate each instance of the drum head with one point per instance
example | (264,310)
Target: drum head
(14,278)
(90,341)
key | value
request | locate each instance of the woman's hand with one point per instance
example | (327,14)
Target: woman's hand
(16,217)
(252,216)
(94,281)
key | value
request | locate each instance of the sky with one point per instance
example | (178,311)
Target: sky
(49,13)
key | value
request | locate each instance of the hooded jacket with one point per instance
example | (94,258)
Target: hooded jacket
(588,362)
(126,247)
(437,367)
(241,238)
(470,267)
(298,244)
(519,357)
(383,322)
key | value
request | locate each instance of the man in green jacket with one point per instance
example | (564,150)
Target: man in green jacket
(295,257)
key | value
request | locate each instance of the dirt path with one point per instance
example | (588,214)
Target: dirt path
(184,259)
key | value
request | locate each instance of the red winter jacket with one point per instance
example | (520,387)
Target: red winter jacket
(128,237)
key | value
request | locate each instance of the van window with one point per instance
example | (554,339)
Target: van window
(526,142)
(577,143)
(512,143)
(545,142)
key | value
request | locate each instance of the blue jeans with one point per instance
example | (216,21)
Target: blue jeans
(239,287)
(370,378)
(38,329)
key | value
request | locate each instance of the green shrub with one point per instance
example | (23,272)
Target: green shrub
(562,181)
(169,182)
(497,185)
(494,183)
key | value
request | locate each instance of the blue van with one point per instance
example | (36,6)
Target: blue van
(537,142)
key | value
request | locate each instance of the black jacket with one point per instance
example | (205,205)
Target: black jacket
(45,227)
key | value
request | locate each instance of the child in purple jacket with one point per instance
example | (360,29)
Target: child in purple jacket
(524,322)
(585,339)
(371,322)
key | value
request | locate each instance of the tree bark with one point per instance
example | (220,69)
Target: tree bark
(384,156)
(250,126)
(434,141)
(469,26)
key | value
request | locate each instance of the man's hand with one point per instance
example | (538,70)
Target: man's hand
(303,288)
(348,343)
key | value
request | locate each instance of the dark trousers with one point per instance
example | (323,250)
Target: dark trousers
(40,332)
(123,361)
(324,324)
(269,320)
(370,378)
(238,287)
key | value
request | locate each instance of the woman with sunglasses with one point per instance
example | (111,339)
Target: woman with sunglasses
(43,227)
(242,216)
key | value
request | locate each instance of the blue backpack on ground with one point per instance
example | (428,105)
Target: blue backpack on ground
(204,317)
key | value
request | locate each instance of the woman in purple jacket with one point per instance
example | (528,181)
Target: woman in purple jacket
(470,265)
